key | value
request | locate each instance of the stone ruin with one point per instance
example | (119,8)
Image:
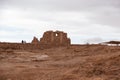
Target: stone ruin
(51,38)
(57,38)
(35,40)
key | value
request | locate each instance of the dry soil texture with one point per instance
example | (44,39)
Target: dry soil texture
(63,63)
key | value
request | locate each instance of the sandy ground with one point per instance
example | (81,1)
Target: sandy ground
(63,63)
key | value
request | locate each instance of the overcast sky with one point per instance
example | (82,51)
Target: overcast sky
(85,21)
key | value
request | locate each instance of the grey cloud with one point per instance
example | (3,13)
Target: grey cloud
(107,16)
(104,12)
(95,40)
(61,4)
(101,12)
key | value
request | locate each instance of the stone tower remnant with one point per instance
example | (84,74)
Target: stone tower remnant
(57,38)
(35,40)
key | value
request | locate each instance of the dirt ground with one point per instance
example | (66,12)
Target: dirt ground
(63,63)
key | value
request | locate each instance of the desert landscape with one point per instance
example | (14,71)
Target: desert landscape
(63,63)
(58,61)
(59,39)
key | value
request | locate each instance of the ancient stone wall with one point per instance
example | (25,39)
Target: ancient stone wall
(57,38)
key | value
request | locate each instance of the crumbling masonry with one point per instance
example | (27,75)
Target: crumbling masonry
(57,38)
(35,40)
(50,39)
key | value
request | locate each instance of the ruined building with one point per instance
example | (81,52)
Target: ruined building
(35,40)
(57,38)
(49,39)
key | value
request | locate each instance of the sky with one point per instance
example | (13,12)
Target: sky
(85,21)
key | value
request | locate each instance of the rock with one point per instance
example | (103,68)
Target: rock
(39,57)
